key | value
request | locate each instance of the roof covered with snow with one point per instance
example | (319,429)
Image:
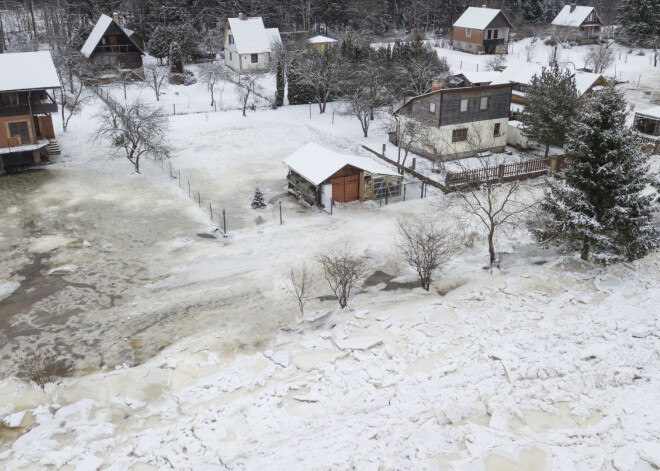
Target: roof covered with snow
(481,77)
(650,112)
(477,18)
(251,37)
(316,163)
(95,36)
(27,71)
(566,17)
(523,73)
(321,40)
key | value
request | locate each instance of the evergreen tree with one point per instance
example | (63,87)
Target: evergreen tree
(551,106)
(298,92)
(640,24)
(159,43)
(258,199)
(176,58)
(599,205)
(279,83)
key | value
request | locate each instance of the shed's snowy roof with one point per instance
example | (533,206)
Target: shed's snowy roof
(251,37)
(316,164)
(481,77)
(585,80)
(321,40)
(523,74)
(650,112)
(566,17)
(27,71)
(96,35)
(477,18)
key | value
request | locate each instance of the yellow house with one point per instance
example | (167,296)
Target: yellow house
(321,43)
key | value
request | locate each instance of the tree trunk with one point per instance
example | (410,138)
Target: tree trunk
(212,98)
(584,253)
(491,245)
(34,25)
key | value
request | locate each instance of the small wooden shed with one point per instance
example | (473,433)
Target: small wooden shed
(317,174)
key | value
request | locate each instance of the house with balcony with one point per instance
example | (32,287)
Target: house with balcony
(482,31)
(109,46)
(27,99)
(454,123)
(577,24)
(248,44)
(647,123)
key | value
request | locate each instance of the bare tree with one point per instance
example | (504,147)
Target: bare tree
(529,51)
(43,368)
(599,58)
(425,247)
(489,202)
(408,133)
(72,70)
(322,72)
(364,93)
(154,78)
(497,62)
(211,74)
(247,85)
(553,56)
(135,130)
(298,286)
(343,270)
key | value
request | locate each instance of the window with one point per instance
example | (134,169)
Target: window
(495,33)
(468,32)
(432,108)
(490,33)
(464,105)
(230,57)
(231,39)
(496,130)
(483,103)
(20,129)
(254,58)
(458,135)
(10,99)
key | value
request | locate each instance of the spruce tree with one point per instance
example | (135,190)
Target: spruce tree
(279,84)
(640,24)
(600,205)
(176,59)
(159,43)
(551,106)
(258,199)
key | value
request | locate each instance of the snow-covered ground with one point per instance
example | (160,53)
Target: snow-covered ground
(196,358)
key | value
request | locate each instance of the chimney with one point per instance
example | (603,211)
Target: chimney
(573,5)
(437,85)
(242,16)
(115,16)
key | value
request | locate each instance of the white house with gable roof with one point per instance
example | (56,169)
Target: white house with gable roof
(248,44)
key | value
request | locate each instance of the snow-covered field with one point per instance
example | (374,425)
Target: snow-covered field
(196,358)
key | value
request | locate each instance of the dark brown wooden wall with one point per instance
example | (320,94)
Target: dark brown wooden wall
(498,107)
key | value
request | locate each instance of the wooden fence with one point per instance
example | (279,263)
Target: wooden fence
(650,144)
(504,172)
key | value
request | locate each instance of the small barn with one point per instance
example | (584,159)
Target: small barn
(110,46)
(320,175)
(321,43)
(577,23)
(482,31)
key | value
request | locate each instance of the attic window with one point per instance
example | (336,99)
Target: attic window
(231,39)
(431,107)
(468,32)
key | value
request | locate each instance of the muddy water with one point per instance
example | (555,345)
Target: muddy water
(104,311)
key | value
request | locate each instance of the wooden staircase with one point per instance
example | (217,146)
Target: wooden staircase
(53,148)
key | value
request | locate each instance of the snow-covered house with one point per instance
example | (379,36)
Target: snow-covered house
(109,45)
(27,99)
(482,31)
(578,24)
(321,176)
(248,44)
(647,122)
(321,43)
(458,122)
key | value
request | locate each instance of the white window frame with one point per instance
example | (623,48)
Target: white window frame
(467,105)
(468,32)
(431,107)
(481,103)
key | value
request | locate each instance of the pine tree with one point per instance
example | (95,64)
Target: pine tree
(298,92)
(258,199)
(640,24)
(279,84)
(551,106)
(599,205)
(176,58)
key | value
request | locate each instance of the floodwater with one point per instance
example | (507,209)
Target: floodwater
(86,251)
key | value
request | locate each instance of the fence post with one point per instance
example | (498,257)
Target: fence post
(199,199)
(179,178)
(174,106)
(384,145)
(280,213)
(224,222)
(333,117)
(414,163)
(331,205)
(500,171)
(211,210)
(310,111)
(404,192)
(422,193)
(188,188)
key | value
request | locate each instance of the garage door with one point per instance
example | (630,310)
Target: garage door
(345,189)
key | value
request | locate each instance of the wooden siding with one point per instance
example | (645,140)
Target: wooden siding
(119,45)
(447,105)
(5,140)
(499,22)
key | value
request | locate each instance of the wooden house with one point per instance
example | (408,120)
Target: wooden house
(321,43)
(482,31)
(459,122)
(248,44)
(27,99)
(578,24)
(110,46)
(321,176)
(647,122)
